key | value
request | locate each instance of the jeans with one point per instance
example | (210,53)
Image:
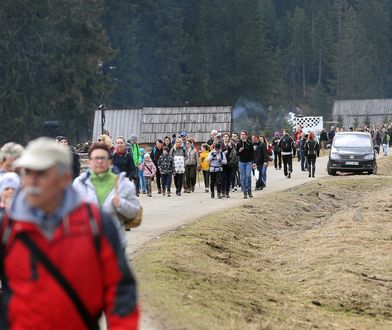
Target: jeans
(385,148)
(235,178)
(166,182)
(141,180)
(304,160)
(264,172)
(246,176)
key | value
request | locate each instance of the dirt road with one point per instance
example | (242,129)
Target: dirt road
(164,214)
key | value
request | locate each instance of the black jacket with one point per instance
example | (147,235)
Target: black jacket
(246,155)
(286,144)
(260,152)
(125,164)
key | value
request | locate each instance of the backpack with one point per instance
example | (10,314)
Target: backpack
(311,147)
(286,144)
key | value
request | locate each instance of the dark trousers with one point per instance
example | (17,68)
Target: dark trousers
(178,181)
(216,181)
(287,164)
(235,177)
(166,181)
(158,177)
(206,176)
(260,183)
(278,158)
(311,164)
(226,179)
(190,175)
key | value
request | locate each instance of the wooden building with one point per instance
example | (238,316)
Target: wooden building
(156,123)
(352,111)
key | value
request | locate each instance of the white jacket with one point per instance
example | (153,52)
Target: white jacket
(129,203)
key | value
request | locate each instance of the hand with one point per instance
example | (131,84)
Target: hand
(241,149)
(116,201)
(254,166)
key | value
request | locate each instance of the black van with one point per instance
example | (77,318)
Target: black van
(352,152)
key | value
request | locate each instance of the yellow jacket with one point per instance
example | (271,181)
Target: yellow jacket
(205,165)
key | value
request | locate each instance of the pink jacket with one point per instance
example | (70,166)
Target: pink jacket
(148,168)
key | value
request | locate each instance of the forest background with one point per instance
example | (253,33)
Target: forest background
(59,60)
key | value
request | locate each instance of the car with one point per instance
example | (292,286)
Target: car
(352,152)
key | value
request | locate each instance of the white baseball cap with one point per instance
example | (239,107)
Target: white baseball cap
(43,153)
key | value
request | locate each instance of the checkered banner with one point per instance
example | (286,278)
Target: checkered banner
(310,124)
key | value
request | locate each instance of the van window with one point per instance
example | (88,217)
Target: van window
(352,141)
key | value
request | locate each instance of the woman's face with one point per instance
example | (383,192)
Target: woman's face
(167,141)
(178,144)
(120,144)
(188,144)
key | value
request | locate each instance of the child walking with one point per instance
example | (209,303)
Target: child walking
(149,171)
(218,159)
(205,165)
(166,167)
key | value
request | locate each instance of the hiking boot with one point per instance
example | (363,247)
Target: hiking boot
(245,194)
(250,194)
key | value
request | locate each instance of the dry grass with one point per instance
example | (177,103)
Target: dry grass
(293,260)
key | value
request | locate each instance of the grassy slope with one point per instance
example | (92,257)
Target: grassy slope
(293,260)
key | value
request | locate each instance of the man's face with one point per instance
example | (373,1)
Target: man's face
(99,161)
(255,139)
(213,135)
(44,187)
(64,141)
(226,138)
(183,138)
(234,136)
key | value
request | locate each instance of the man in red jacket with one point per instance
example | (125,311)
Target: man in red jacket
(62,263)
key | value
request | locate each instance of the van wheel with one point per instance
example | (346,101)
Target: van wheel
(329,170)
(374,170)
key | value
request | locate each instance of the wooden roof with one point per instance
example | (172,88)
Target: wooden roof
(350,110)
(151,124)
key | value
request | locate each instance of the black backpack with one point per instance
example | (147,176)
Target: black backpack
(286,144)
(311,146)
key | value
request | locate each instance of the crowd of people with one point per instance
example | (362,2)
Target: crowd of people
(226,161)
